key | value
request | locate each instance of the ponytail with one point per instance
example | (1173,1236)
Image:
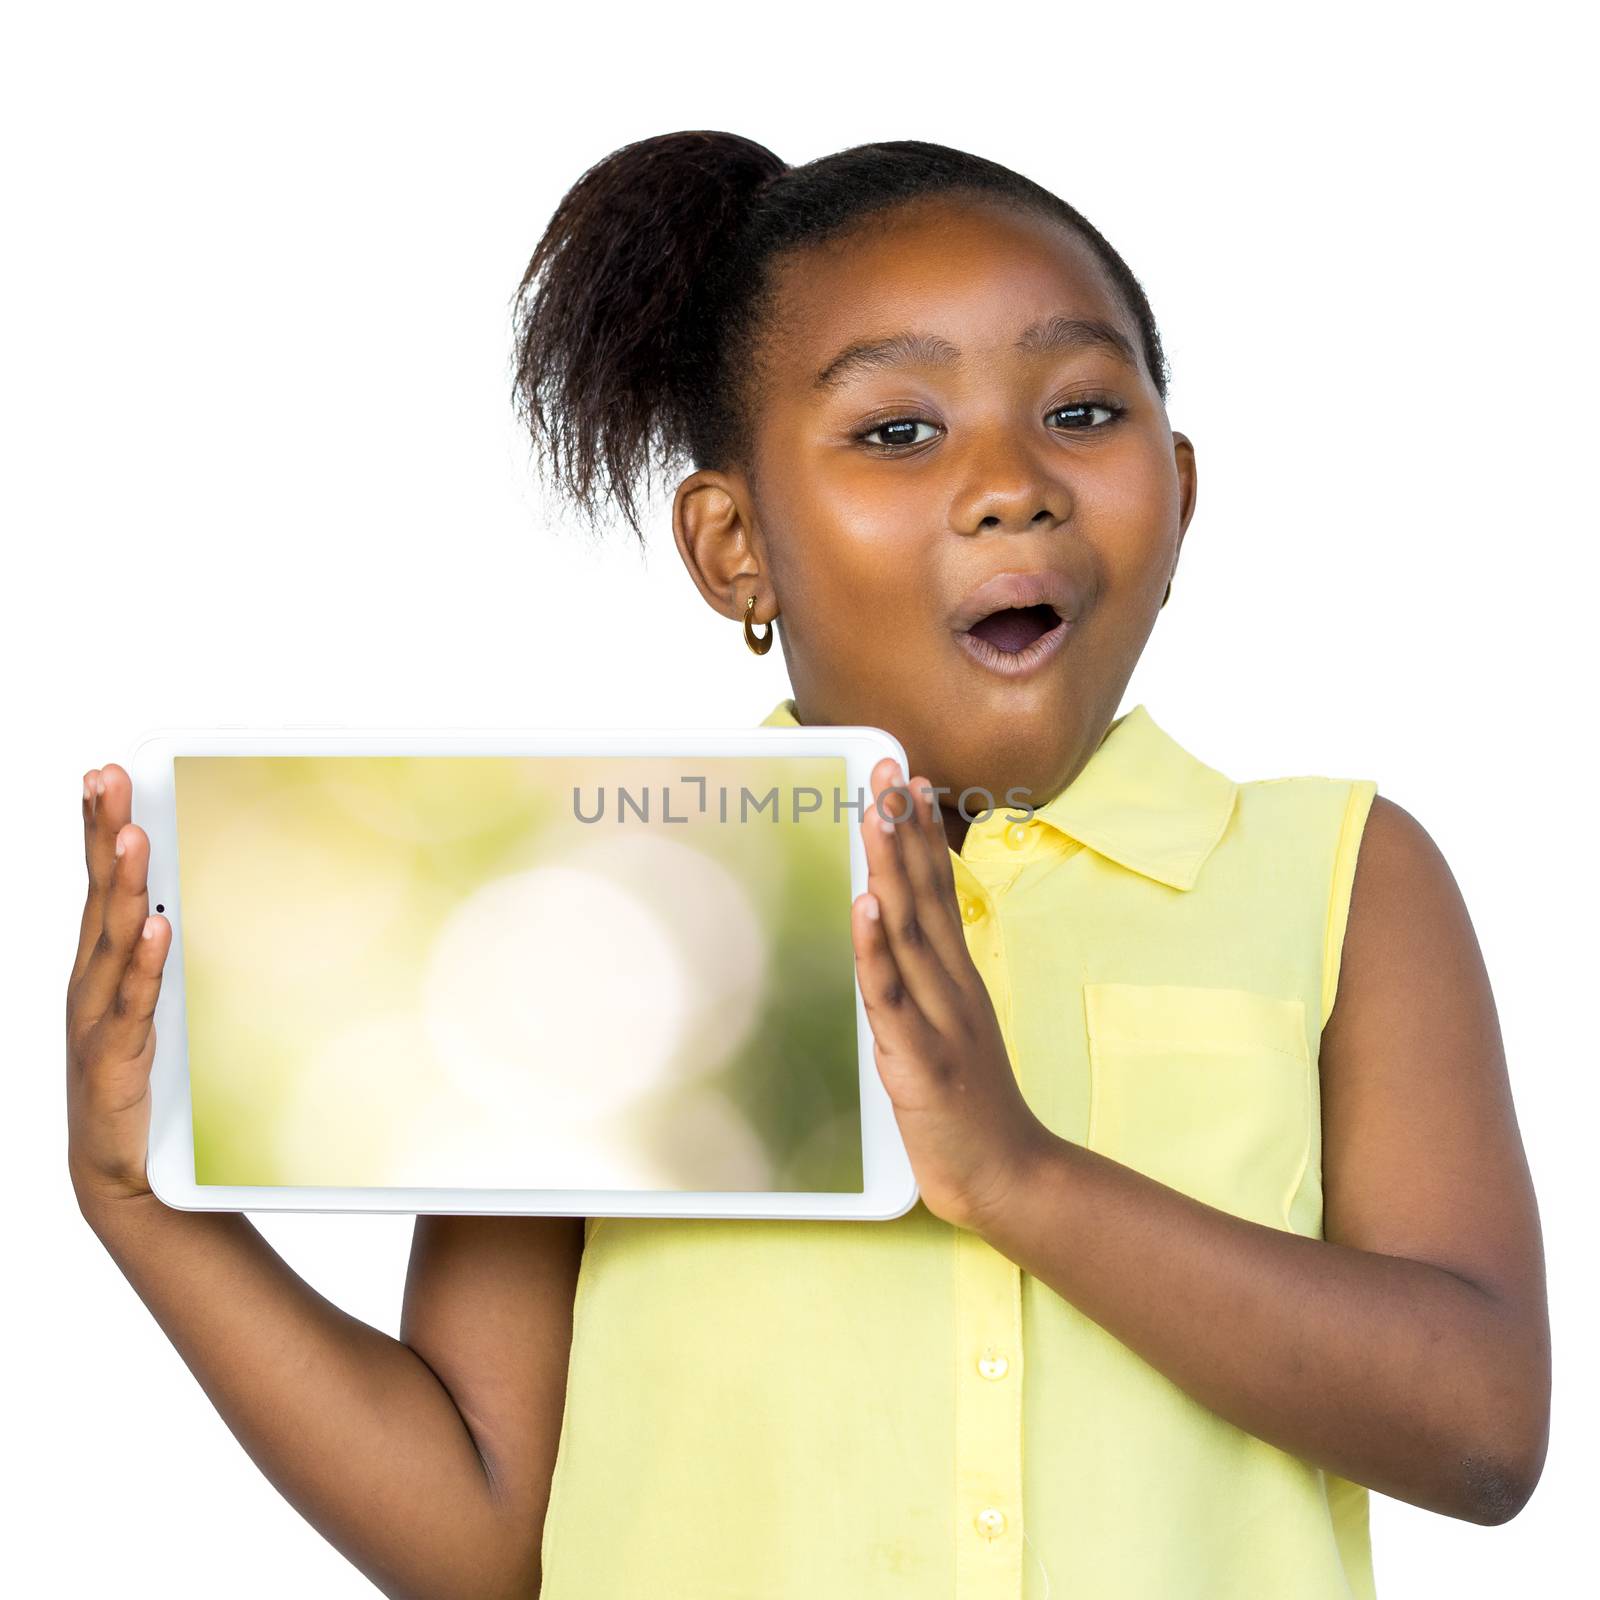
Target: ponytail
(617,317)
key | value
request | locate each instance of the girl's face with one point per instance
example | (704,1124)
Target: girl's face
(951,395)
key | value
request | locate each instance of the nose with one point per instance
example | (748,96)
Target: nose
(1009,488)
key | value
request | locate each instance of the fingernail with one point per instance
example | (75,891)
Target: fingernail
(149,928)
(872,907)
(99,784)
(87,792)
(122,844)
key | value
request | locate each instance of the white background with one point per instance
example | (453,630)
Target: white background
(261,468)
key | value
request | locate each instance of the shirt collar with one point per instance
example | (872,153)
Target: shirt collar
(1140,800)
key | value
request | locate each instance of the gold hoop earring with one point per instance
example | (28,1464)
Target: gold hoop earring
(1167,596)
(760,643)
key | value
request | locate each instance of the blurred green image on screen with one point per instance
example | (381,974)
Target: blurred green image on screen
(536,972)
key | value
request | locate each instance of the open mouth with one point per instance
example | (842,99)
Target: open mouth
(1013,622)
(1013,628)
(1015,640)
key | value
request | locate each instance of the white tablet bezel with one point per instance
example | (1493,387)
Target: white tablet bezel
(889,1186)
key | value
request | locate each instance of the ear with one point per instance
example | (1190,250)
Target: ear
(713,526)
(1183,460)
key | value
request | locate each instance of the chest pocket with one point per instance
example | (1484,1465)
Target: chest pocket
(1205,1090)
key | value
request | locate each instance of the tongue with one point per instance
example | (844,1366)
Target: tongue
(1015,629)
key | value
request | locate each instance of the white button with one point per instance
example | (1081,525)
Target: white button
(1017,835)
(991,1522)
(993,1365)
(971,910)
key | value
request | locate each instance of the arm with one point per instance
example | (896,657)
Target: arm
(425,1459)
(1410,1350)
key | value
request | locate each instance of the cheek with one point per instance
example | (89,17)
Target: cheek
(852,564)
(1126,503)
(864,594)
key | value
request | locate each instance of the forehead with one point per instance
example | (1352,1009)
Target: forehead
(972,271)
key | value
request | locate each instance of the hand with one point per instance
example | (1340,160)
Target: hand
(969,1132)
(111,998)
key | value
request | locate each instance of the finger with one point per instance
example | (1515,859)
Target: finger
(898,1025)
(920,964)
(90,924)
(940,844)
(123,1033)
(125,907)
(108,805)
(925,851)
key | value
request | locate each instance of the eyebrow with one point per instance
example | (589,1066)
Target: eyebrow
(925,349)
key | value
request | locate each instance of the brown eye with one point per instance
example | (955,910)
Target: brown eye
(898,433)
(1087,414)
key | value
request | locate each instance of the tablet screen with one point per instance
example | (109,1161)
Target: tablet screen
(587,972)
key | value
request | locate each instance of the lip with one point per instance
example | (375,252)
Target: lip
(1017,590)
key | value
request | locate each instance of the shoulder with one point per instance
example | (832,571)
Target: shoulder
(1403,884)
(1302,796)
(1302,792)
(1410,959)
(1376,873)
(1305,825)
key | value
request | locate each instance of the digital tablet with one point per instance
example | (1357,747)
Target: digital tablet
(555,973)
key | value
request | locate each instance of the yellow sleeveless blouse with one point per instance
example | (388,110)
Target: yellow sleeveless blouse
(772,1410)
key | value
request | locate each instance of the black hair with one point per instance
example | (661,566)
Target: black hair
(639,317)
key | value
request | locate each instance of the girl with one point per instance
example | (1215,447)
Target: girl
(1224,1213)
